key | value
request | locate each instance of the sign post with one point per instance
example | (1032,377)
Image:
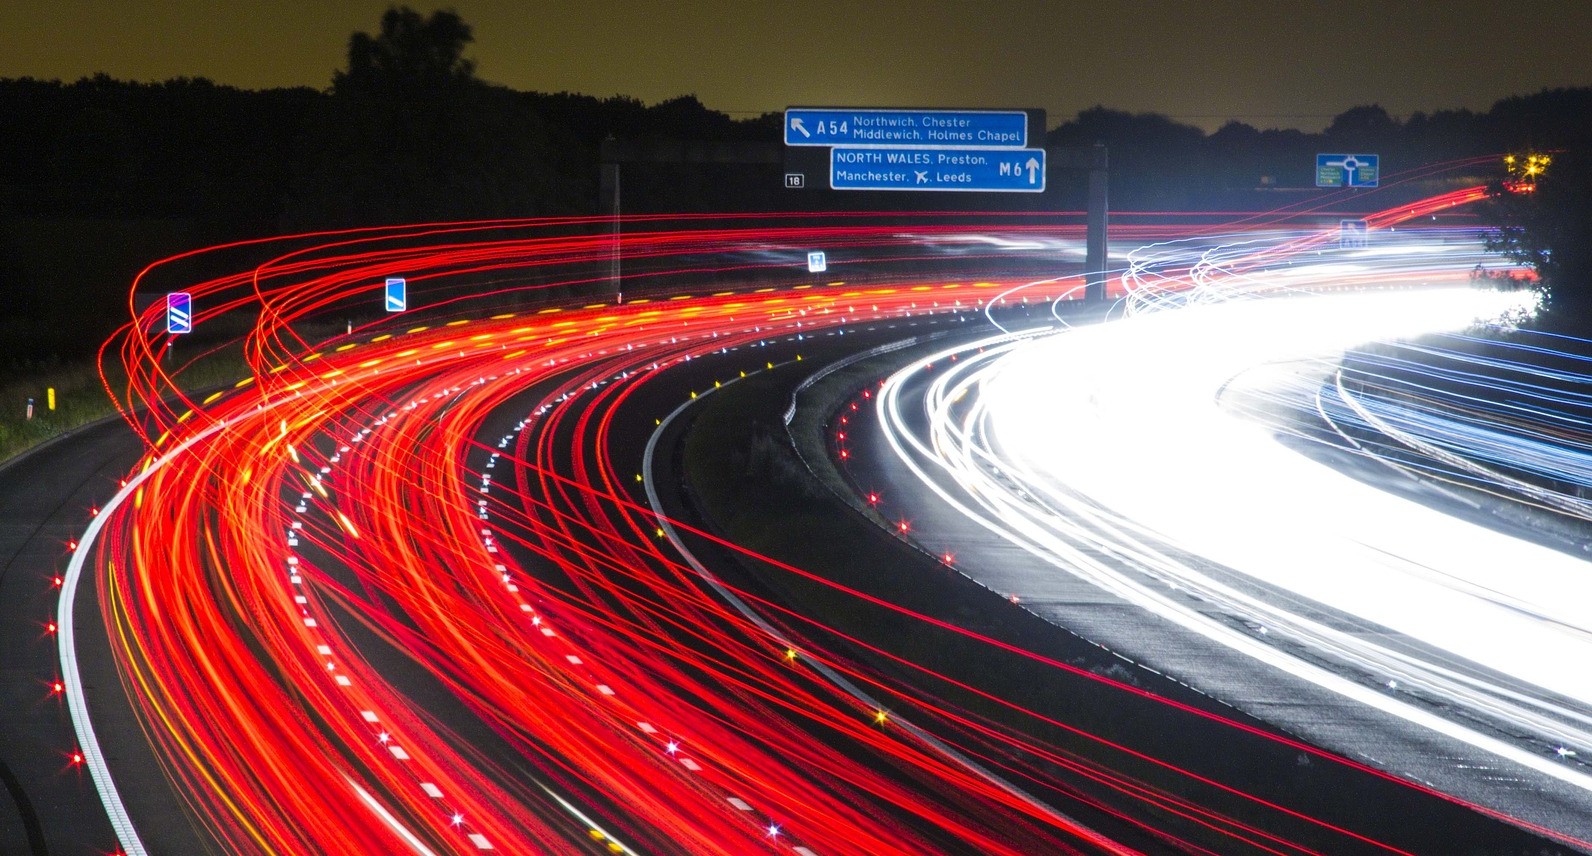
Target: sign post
(989,151)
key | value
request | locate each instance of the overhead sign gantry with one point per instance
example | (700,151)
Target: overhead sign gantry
(909,149)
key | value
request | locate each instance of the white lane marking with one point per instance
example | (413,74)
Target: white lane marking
(392,822)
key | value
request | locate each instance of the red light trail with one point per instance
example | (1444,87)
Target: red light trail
(296,551)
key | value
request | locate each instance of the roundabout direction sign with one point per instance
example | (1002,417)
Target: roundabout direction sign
(1347,170)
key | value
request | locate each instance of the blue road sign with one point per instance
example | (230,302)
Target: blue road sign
(179,312)
(1347,170)
(397,294)
(970,129)
(1352,234)
(1004,171)
(817,262)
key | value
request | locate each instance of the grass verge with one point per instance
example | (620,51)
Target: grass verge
(80,397)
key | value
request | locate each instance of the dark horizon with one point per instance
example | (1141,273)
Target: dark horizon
(1271,65)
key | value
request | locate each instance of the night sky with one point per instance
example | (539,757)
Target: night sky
(1273,63)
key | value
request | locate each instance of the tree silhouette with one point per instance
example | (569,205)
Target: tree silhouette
(409,135)
(1550,228)
(1364,121)
(412,54)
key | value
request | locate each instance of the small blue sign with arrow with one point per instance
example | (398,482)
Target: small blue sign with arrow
(397,294)
(179,313)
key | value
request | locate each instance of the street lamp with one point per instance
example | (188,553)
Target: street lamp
(1524,170)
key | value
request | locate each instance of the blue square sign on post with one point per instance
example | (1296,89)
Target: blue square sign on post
(1352,234)
(179,312)
(397,294)
(816,262)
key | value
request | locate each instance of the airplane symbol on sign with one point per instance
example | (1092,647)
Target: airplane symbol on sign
(923,176)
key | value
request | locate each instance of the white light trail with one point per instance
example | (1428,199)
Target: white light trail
(1136,454)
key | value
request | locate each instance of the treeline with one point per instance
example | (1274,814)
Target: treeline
(242,163)
(1157,163)
(246,163)
(407,132)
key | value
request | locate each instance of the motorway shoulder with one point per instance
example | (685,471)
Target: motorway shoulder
(50,804)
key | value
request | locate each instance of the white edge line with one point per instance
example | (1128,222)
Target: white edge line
(66,633)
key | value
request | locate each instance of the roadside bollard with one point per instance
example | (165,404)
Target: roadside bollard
(30,408)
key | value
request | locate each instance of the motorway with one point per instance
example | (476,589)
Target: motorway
(407,587)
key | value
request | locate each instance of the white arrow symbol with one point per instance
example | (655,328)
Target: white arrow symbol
(1033,170)
(797,124)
